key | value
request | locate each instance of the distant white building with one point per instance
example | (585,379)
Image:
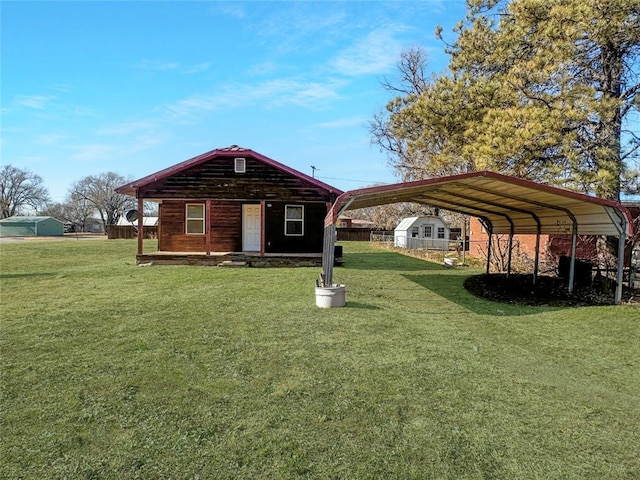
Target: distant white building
(429,232)
(146,222)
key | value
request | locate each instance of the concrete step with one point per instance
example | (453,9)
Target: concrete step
(232,263)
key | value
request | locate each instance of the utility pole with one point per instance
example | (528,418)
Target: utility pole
(313,171)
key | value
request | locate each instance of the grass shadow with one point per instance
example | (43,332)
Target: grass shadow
(387,261)
(452,288)
(361,306)
(7,276)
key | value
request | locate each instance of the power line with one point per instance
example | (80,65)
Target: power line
(356,181)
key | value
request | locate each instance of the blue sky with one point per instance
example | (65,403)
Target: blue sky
(134,87)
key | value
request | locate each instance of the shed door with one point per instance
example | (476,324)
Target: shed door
(251,228)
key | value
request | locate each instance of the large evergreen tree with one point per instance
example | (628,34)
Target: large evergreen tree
(537,89)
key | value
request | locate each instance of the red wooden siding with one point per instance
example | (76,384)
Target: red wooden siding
(216,179)
(172,237)
(226,228)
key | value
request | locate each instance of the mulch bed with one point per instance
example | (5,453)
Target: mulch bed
(552,291)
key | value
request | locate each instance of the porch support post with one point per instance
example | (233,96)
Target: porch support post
(207,227)
(140,226)
(263,222)
(572,264)
(630,279)
(536,261)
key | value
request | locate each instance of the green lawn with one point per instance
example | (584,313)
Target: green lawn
(113,371)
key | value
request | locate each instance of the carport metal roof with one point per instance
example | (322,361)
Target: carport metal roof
(507,205)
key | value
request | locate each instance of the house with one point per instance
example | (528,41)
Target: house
(234,205)
(479,239)
(428,231)
(556,245)
(124,228)
(345,221)
(353,229)
(552,246)
(31,227)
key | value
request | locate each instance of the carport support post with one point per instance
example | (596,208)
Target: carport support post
(328,254)
(572,265)
(537,259)
(490,231)
(510,252)
(621,241)
(464,239)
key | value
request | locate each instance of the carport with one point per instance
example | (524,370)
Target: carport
(504,204)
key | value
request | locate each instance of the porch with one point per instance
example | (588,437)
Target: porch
(231,259)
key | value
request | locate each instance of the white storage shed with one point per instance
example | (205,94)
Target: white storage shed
(429,232)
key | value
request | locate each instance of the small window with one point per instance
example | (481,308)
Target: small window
(240,165)
(415,232)
(440,232)
(294,220)
(428,231)
(195,218)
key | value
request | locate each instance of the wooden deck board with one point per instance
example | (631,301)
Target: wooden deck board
(252,259)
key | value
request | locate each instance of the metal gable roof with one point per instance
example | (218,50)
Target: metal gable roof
(408,222)
(132,187)
(405,223)
(26,219)
(506,203)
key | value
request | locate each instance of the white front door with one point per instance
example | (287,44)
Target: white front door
(251,228)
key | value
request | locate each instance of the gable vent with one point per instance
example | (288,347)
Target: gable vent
(240,165)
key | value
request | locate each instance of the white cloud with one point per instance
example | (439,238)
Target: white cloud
(128,128)
(343,123)
(60,87)
(80,111)
(271,93)
(157,65)
(187,108)
(51,139)
(314,94)
(94,152)
(377,53)
(101,152)
(200,67)
(234,10)
(38,102)
(299,21)
(162,66)
(144,142)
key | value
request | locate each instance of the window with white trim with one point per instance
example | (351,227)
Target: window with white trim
(194,219)
(294,220)
(240,165)
(440,232)
(428,231)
